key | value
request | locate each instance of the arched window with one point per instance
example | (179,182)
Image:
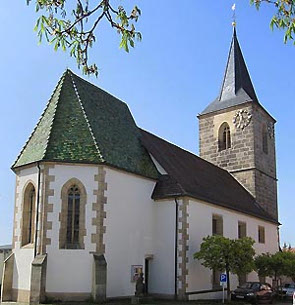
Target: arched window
(224,140)
(72,215)
(264,140)
(28,221)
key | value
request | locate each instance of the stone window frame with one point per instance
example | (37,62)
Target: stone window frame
(64,212)
(261,234)
(224,137)
(25,240)
(242,233)
(217,225)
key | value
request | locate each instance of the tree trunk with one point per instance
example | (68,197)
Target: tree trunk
(228,284)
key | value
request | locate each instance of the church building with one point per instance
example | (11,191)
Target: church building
(99,200)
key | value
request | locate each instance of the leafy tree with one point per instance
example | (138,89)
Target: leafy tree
(72,26)
(243,253)
(276,265)
(289,264)
(284,17)
(224,254)
(262,264)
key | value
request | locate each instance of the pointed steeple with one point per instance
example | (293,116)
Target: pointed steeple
(237,87)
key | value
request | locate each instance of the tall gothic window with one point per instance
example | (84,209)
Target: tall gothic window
(73,217)
(224,139)
(264,140)
(28,221)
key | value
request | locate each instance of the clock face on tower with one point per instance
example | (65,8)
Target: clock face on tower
(242,119)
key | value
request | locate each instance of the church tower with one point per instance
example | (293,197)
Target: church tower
(237,133)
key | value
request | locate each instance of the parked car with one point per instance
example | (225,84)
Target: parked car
(254,292)
(289,290)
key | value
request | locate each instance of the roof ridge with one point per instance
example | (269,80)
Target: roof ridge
(85,116)
(37,125)
(225,72)
(96,87)
(55,108)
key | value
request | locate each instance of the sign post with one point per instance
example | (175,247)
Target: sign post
(223,281)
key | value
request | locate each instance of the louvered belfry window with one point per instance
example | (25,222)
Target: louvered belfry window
(73,217)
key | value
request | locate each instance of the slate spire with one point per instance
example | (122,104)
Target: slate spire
(237,87)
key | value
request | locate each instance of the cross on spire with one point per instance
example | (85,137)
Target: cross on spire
(234,15)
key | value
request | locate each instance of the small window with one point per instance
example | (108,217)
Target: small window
(72,215)
(224,139)
(261,235)
(73,218)
(242,229)
(28,221)
(216,279)
(264,140)
(217,225)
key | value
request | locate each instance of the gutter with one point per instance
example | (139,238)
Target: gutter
(37,210)
(176,249)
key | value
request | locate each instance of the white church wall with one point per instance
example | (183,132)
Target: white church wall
(161,279)
(22,269)
(69,271)
(23,255)
(136,227)
(200,225)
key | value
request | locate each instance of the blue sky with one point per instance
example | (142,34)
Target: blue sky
(171,76)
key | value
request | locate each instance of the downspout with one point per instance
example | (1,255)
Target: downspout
(37,210)
(176,249)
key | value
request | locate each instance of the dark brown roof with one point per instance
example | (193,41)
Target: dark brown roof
(189,175)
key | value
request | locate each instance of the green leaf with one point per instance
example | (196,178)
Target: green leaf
(131,43)
(37,24)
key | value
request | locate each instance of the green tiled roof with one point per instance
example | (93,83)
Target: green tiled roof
(85,124)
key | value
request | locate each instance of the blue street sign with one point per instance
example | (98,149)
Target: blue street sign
(222,278)
(223,281)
